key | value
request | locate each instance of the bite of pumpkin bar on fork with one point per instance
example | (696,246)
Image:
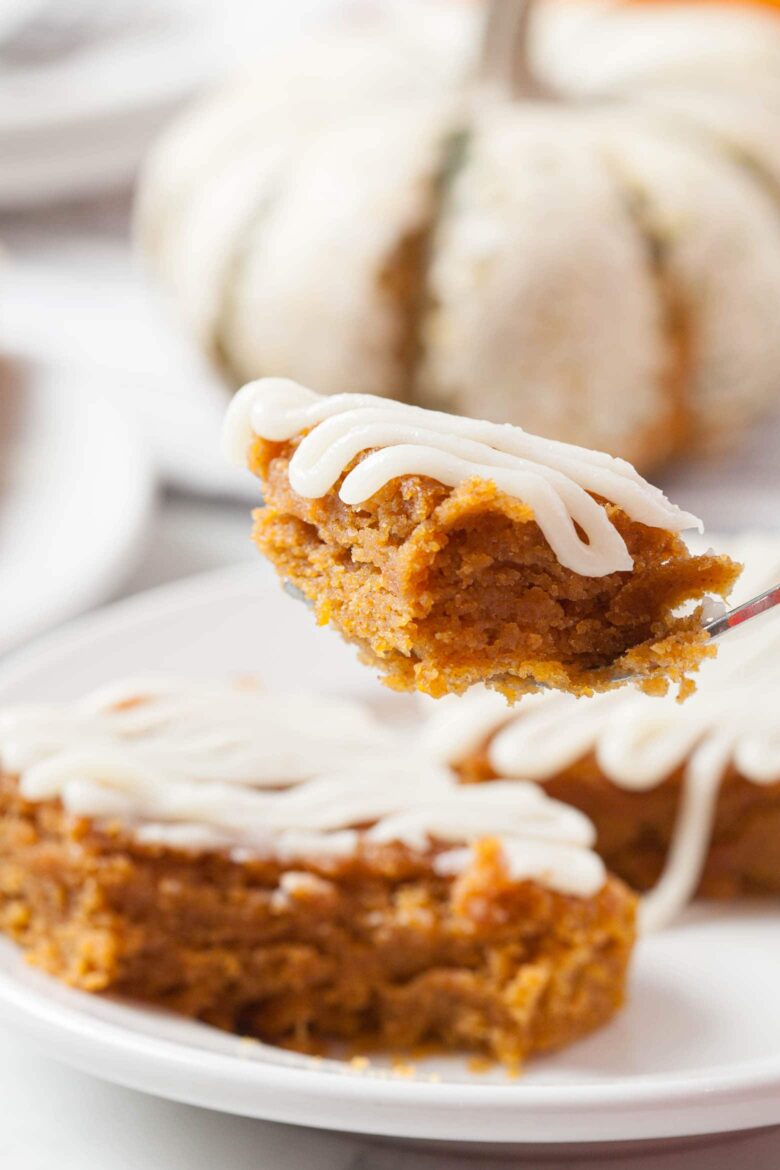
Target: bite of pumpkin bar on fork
(454,552)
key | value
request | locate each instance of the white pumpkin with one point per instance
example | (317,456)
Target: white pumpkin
(601,264)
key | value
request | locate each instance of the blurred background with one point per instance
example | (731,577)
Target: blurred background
(563,214)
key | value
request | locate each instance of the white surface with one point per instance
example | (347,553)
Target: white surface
(75,500)
(86,1124)
(689,1055)
(76,303)
(740,489)
(85,86)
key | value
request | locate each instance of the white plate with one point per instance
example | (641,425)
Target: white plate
(696,1051)
(76,491)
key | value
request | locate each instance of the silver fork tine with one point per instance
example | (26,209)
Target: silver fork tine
(743,613)
(294,592)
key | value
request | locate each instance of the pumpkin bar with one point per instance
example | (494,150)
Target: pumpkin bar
(685,799)
(454,552)
(172,844)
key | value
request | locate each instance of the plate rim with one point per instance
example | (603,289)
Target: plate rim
(724,1098)
(138,507)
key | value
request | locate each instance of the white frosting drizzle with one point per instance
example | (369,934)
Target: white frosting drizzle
(291,776)
(555,479)
(639,742)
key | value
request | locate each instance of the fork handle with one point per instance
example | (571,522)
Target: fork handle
(743,613)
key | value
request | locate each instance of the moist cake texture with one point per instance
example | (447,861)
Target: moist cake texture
(368,903)
(684,798)
(453,552)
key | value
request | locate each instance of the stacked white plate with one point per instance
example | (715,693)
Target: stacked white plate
(85,85)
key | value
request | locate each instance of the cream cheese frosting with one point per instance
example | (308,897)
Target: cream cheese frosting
(227,767)
(639,742)
(558,481)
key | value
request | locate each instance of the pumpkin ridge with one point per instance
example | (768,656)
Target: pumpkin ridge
(405,275)
(454,152)
(722,144)
(677,428)
(242,253)
(707,242)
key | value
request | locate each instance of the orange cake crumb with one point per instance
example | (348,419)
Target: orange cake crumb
(441,588)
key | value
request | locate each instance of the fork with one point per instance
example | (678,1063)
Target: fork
(715,628)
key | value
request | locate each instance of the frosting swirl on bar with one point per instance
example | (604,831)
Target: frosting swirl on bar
(225,767)
(638,742)
(557,481)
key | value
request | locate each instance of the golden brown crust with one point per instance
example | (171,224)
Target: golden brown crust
(376,948)
(442,588)
(634,829)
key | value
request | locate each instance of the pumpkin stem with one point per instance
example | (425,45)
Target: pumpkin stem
(504,63)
